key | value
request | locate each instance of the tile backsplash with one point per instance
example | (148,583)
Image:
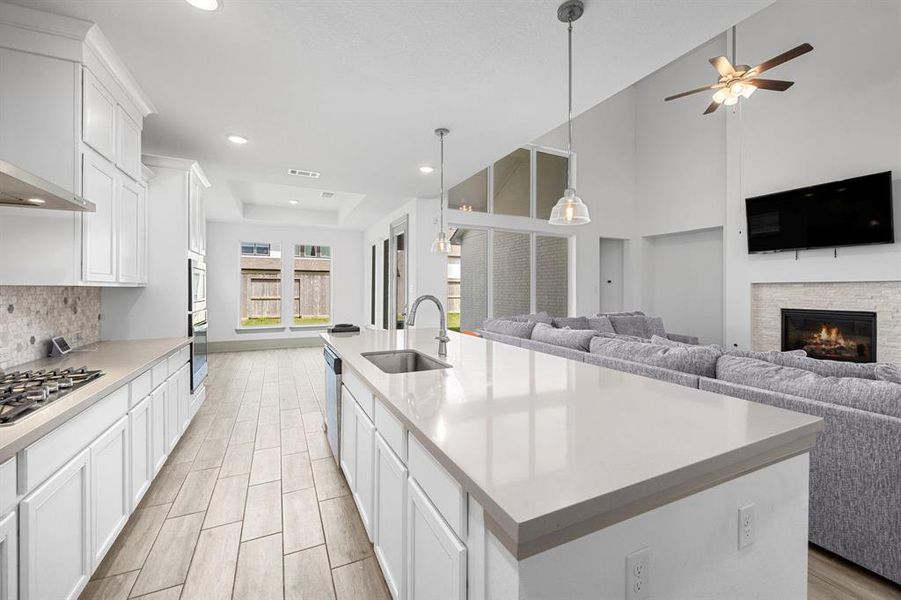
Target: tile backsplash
(31,315)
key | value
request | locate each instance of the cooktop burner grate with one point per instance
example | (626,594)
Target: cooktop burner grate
(24,392)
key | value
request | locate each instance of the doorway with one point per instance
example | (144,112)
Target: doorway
(612,255)
(399,273)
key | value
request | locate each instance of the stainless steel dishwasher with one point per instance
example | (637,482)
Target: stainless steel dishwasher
(333,402)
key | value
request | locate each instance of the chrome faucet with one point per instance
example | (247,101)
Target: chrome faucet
(442,333)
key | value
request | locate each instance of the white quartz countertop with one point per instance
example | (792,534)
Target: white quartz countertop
(554,449)
(120,361)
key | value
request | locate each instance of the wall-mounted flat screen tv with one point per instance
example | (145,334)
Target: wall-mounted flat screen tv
(851,212)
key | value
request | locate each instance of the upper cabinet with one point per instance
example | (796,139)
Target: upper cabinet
(71,113)
(196,216)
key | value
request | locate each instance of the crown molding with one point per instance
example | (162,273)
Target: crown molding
(181,164)
(101,47)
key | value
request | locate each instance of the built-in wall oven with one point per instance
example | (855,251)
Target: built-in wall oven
(197,321)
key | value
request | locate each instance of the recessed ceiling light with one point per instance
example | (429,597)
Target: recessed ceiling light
(237,139)
(207,5)
(292,201)
(426,169)
(304,173)
(37,200)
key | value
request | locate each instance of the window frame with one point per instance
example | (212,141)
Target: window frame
(239,327)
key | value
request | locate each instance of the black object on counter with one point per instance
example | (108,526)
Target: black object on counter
(344,328)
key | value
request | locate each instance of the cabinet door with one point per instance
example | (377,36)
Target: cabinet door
(158,428)
(140,441)
(193,213)
(128,144)
(55,534)
(99,228)
(9,554)
(132,217)
(390,503)
(110,496)
(172,430)
(201,218)
(184,398)
(365,447)
(436,559)
(348,437)
(98,117)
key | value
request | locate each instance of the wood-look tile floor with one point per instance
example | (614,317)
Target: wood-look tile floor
(250,504)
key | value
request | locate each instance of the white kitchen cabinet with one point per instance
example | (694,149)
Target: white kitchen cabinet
(55,534)
(99,181)
(98,129)
(348,437)
(9,554)
(196,216)
(184,397)
(365,448)
(128,144)
(159,448)
(110,495)
(132,229)
(436,558)
(140,441)
(390,501)
(172,430)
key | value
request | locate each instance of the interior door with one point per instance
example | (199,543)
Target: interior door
(398,271)
(611,274)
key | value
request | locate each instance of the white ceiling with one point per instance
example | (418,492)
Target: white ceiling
(354,89)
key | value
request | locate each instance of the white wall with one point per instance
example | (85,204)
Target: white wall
(223,275)
(684,274)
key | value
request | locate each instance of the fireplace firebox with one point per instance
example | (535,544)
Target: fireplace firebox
(831,334)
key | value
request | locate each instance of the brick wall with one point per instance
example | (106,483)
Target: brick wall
(511,268)
(881,297)
(552,275)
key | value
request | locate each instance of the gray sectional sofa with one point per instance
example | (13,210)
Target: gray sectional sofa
(855,468)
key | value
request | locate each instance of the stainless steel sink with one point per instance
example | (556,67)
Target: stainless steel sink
(404,361)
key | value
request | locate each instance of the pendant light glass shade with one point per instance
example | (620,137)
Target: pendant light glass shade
(569,210)
(441,245)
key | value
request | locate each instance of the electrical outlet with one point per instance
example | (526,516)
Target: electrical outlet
(747,522)
(638,574)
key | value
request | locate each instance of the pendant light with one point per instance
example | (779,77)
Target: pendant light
(441,245)
(570,210)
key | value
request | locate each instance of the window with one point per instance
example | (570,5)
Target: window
(512,184)
(261,285)
(312,285)
(550,182)
(471,195)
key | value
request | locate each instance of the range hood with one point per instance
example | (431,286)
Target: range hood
(21,188)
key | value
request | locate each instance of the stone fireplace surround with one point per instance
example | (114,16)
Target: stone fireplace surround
(881,297)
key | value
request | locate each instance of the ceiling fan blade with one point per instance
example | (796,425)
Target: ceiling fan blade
(712,107)
(722,66)
(782,58)
(705,88)
(775,85)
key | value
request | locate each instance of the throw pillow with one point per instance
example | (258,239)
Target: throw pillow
(577,339)
(638,325)
(600,324)
(571,322)
(697,360)
(520,329)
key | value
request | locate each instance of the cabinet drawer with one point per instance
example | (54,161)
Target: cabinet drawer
(359,390)
(443,490)
(177,360)
(48,454)
(391,429)
(141,387)
(8,488)
(159,373)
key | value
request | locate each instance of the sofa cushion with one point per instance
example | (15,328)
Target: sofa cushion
(827,368)
(539,317)
(871,395)
(577,339)
(627,366)
(665,341)
(889,372)
(571,322)
(628,338)
(697,360)
(638,325)
(553,349)
(520,329)
(600,324)
(630,313)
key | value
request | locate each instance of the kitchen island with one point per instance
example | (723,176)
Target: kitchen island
(516,474)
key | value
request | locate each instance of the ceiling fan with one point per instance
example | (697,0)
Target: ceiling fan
(740,81)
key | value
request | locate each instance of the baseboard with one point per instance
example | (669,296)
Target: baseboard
(274,344)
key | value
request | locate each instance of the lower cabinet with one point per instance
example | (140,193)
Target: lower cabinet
(158,427)
(140,439)
(389,526)
(110,493)
(184,397)
(348,437)
(436,558)
(365,447)
(9,554)
(55,534)
(173,432)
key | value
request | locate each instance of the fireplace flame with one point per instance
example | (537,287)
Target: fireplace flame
(831,336)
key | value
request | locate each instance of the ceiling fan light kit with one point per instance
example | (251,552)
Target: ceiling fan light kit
(570,210)
(740,81)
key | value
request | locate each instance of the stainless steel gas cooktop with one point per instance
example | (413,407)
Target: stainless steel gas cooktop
(24,392)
